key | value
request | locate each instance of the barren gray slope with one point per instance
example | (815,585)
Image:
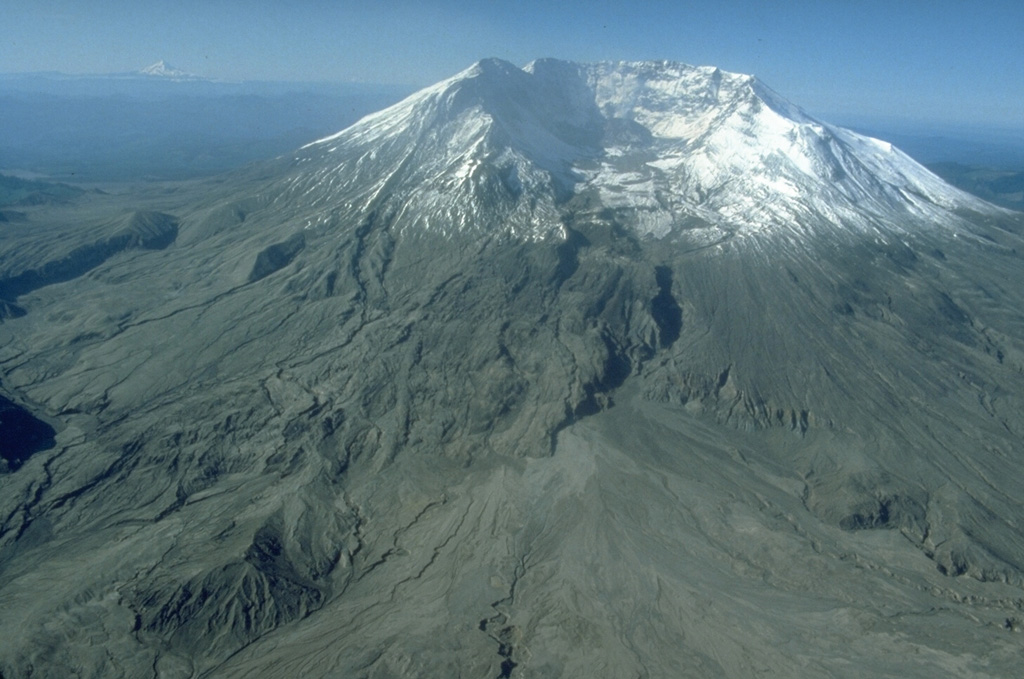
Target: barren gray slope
(310,438)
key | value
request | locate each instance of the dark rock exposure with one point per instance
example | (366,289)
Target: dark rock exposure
(21,435)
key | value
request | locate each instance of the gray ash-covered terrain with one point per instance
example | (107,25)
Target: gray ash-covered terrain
(610,370)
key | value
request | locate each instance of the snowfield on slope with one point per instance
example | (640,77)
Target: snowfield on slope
(663,144)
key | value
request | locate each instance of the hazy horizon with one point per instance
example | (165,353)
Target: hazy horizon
(944,62)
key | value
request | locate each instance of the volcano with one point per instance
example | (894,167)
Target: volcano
(615,369)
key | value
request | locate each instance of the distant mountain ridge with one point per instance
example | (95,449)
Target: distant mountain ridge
(159,69)
(133,126)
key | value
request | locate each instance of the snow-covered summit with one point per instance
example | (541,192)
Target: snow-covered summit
(162,69)
(668,147)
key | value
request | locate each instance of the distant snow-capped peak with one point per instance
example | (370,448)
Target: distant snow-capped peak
(162,69)
(664,145)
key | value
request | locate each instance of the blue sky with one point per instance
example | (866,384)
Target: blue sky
(941,61)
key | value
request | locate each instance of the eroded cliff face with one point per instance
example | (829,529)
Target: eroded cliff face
(311,422)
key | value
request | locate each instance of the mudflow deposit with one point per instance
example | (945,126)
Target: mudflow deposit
(571,370)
